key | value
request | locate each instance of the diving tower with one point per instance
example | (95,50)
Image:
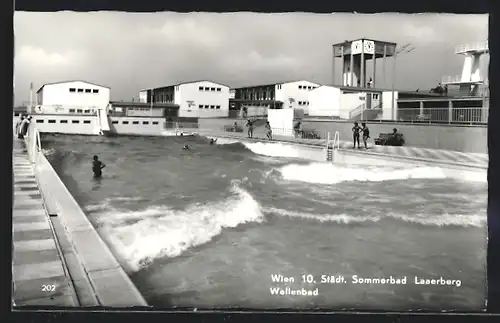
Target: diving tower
(470,80)
(355,55)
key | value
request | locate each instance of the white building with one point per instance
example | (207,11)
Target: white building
(197,99)
(295,94)
(258,98)
(70,97)
(342,102)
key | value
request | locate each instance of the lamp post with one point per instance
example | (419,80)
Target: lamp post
(401,50)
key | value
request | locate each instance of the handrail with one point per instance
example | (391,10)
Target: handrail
(357,111)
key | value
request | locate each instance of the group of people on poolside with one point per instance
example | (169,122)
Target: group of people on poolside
(250,126)
(357,131)
(22,126)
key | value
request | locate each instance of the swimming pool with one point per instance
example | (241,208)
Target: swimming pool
(213,226)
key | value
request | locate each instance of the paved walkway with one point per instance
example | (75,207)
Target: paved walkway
(39,274)
(473,159)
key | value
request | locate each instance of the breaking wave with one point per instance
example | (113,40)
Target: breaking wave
(140,237)
(328,173)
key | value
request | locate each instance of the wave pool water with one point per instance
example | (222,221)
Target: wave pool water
(209,227)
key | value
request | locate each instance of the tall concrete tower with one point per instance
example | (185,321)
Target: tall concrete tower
(470,80)
(354,57)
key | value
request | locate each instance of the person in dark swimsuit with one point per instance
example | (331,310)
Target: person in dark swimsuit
(269,131)
(366,134)
(355,134)
(212,141)
(97,167)
(250,128)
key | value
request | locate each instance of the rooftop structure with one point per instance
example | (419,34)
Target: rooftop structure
(470,81)
(354,55)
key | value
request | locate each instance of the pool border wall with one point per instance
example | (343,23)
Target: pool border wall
(109,282)
(347,156)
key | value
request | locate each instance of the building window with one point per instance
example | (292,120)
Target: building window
(135,122)
(86,111)
(155,122)
(212,89)
(307,103)
(206,107)
(217,107)
(95,91)
(212,107)
(207,89)
(219,89)
(71,110)
(145,122)
(124,122)
(114,122)
(39,120)
(200,88)
(52,121)
(78,110)
(300,87)
(75,121)
(63,121)
(200,106)
(72,89)
(80,90)
(88,90)
(86,121)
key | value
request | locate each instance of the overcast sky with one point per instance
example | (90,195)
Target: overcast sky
(130,52)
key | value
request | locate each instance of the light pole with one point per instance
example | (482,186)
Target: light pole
(403,49)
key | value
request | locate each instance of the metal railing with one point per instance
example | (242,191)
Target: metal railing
(465,115)
(181,125)
(412,114)
(475,46)
(454,79)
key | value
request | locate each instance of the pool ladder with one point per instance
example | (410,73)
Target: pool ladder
(331,145)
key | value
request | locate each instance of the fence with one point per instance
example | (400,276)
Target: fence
(412,114)
(467,115)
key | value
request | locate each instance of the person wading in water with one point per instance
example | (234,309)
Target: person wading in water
(97,167)
(355,134)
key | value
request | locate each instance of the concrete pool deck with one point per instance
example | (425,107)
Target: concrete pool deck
(59,259)
(40,275)
(406,152)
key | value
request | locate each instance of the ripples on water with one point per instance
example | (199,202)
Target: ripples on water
(208,227)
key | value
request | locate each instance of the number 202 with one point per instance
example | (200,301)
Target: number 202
(48,288)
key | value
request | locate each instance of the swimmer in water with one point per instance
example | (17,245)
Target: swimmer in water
(186,147)
(97,167)
(213,141)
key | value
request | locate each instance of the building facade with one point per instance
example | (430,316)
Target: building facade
(197,99)
(71,97)
(258,98)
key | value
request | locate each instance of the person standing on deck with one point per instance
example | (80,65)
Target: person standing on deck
(18,126)
(355,134)
(24,127)
(269,132)
(250,128)
(366,134)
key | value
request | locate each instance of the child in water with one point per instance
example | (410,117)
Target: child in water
(97,167)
